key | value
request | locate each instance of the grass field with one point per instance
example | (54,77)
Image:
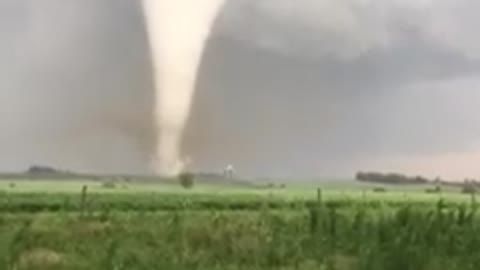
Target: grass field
(52,224)
(331,189)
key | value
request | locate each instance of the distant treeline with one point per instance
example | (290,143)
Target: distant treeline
(45,170)
(467,185)
(40,172)
(391,178)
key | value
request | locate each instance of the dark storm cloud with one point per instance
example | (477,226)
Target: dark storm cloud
(292,95)
(286,87)
(296,115)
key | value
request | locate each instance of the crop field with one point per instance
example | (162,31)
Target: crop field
(343,225)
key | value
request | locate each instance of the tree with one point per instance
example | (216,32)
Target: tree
(187,180)
(468,187)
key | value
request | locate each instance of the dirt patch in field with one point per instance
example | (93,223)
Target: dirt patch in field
(40,259)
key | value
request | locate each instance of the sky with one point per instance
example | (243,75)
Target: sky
(287,88)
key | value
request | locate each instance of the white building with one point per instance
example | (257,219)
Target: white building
(229,171)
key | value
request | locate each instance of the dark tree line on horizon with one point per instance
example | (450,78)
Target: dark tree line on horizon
(468,185)
(392,178)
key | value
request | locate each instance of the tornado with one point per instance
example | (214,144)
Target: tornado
(178,31)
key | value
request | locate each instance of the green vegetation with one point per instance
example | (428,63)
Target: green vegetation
(187,180)
(345,226)
(390,178)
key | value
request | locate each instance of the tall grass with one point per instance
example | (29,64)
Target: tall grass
(152,202)
(330,235)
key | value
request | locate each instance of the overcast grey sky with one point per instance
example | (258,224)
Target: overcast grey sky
(287,87)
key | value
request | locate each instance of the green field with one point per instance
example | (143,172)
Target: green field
(334,224)
(305,189)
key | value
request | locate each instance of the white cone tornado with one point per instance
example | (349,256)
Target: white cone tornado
(178,31)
